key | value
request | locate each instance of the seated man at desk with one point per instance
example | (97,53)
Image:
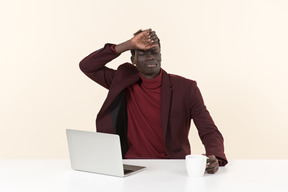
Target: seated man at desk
(150,109)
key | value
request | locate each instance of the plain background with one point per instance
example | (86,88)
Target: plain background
(235,49)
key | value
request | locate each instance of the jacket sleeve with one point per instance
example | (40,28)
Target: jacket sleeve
(209,134)
(94,65)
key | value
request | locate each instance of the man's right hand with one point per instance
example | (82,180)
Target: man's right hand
(144,41)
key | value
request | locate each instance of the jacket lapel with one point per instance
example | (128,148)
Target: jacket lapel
(165,102)
(125,77)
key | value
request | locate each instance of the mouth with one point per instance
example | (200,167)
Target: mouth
(150,64)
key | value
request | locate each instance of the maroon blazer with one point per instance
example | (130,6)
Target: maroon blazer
(181,101)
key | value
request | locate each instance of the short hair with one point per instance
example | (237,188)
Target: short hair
(136,33)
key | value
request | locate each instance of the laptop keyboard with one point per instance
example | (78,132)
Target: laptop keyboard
(126,171)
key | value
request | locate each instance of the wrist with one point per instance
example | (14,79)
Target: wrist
(125,46)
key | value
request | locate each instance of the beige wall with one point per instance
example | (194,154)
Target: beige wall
(235,49)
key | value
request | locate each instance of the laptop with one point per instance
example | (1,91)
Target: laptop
(97,153)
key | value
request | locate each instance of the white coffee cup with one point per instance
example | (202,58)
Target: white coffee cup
(196,165)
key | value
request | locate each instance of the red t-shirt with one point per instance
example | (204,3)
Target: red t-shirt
(145,137)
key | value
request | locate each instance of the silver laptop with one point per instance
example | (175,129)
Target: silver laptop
(97,153)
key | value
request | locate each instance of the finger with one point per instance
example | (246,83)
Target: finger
(149,43)
(211,160)
(145,35)
(152,33)
(212,170)
(212,157)
(154,39)
(212,165)
(146,42)
(148,30)
(151,46)
(147,46)
(154,45)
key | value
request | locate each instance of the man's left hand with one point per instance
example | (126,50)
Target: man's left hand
(213,164)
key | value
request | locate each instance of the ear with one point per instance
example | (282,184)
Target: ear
(132,59)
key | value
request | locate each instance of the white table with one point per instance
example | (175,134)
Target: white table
(160,175)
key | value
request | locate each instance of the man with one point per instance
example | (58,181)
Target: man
(148,108)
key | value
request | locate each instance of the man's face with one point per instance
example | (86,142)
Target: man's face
(148,62)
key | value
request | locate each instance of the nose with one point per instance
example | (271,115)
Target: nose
(149,56)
